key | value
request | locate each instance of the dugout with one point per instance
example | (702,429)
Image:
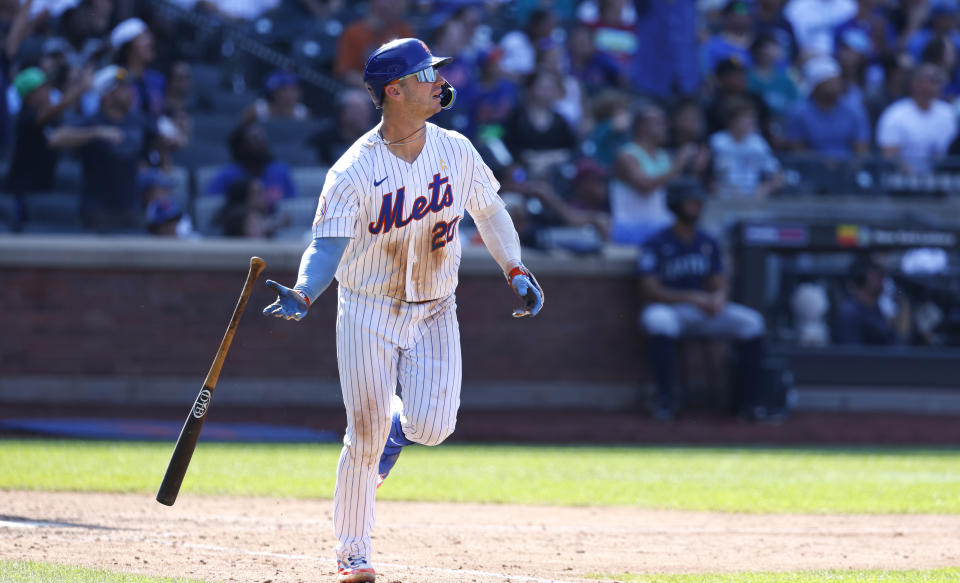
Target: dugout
(774,257)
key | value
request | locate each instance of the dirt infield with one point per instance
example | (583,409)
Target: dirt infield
(285,541)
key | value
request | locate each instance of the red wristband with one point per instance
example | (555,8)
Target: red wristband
(518,270)
(304,296)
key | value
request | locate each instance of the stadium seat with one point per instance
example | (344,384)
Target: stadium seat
(68,176)
(180,192)
(301,210)
(54,210)
(205,210)
(201,152)
(294,154)
(289,130)
(214,128)
(204,175)
(207,78)
(8,209)
(294,233)
(309,180)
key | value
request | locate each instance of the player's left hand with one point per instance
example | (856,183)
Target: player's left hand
(526,286)
(289,304)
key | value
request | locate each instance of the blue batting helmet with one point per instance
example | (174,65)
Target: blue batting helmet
(400,58)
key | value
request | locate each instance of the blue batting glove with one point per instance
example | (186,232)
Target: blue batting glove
(289,305)
(526,286)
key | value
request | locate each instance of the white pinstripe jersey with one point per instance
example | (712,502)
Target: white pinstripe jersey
(403,218)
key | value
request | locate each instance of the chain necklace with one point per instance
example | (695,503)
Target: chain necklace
(401,141)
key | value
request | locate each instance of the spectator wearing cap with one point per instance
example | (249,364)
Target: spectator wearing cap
(769,78)
(730,82)
(111,145)
(355,117)
(34,162)
(732,41)
(282,99)
(134,50)
(917,130)
(253,158)
(814,22)
(768,20)
(823,123)
(163,215)
(383,22)
(743,163)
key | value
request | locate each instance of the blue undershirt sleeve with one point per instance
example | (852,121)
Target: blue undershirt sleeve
(319,264)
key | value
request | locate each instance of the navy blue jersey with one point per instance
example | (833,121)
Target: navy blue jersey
(680,264)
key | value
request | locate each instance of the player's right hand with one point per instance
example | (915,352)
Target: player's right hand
(289,305)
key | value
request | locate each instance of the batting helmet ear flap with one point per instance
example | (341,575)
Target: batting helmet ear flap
(448,95)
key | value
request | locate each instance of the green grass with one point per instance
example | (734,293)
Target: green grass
(725,479)
(30,572)
(934,576)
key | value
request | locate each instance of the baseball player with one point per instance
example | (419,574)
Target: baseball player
(386,228)
(683,284)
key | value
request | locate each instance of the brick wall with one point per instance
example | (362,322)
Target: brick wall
(77,322)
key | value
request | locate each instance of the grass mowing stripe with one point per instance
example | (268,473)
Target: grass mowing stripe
(948,575)
(31,572)
(725,479)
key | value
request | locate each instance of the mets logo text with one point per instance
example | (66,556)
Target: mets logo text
(391,209)
(203,401)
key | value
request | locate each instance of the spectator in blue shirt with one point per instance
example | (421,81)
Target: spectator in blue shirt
(668,62)
(733,41)
(822,123)
(252,158)
(872,22)
(769,20)
(495,96)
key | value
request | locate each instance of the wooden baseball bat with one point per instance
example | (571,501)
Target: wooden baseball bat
(187,441)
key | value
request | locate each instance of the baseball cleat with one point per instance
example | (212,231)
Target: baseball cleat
(355,570)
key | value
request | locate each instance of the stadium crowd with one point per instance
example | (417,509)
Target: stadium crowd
(586,110)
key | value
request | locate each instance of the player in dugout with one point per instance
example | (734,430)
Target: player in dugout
(682,283)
